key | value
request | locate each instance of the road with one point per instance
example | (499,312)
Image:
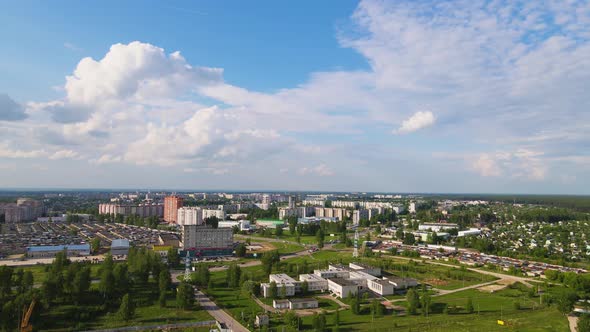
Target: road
(217,313)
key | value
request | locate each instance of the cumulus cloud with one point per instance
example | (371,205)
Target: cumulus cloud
(417,121)
(320,170)
(10,110)
(521,164)
(64,154)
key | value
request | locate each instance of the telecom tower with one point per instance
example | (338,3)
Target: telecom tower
(187,267)
(355,253)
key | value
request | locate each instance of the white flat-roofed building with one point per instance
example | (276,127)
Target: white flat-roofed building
(280,304)
(375,271)
(437,227)
(190,216)
(332,273)
(343,288)
(402,283)
(220,214)
(314,282)
(381,287)
(282,280)
(303,304)
(470,232)
(360,278)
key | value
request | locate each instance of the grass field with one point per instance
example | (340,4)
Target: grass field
(488,309)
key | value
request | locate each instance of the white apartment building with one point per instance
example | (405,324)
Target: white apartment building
(412,207)
(316,202)
(220,214)
(345,204)
(190,216)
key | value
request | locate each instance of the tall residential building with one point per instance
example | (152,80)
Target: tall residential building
(292,201)
(142,210)
(412,207)
(190,216)
(25,209)
(171,206)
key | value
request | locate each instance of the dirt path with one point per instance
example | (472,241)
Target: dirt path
(573,323)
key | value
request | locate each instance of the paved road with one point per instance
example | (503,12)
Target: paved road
(219,314)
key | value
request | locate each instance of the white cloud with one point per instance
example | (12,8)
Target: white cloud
(319,170)
(520,164)
(417,121)
(7,152)
(64,154)
(486,165)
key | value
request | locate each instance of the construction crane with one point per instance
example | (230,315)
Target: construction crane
(24,324)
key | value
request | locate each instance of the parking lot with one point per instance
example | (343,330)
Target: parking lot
(15,238)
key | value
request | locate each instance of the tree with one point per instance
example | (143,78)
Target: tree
(355,303)
(173,257)
(268,259)
(292,224)
(126,309)
(304,287)
(279,231)
(272,290)
(320,237)
(233,276)
(5,281)
(283,291)
(185,297)
(565,301)
(426,301)
(81,284)
(95,245)
(121,278)
(291,319)
(241,250)
(107,283)
(409,239)
(583,323)
(336,322)
(469,305)
(28,281)
(412,301)
(212,221)
(163,286)
(376,308)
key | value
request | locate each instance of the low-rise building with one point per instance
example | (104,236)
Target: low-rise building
(314,282)
(51,251)
(309,303)
(343,288)
(120,247)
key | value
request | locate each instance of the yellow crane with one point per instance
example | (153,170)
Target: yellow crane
(24,324)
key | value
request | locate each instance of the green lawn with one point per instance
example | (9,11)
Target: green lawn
(491,308)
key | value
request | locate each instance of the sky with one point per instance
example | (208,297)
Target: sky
(387,96)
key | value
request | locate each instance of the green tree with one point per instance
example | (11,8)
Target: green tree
(241,250)
(279,231)
(320,238)
(377,308)
(126,309)
(291,319)
(283,292)
(273,291)
(469,305)
(426,302)
(212,221)
(413,301)
(355,303)
(95,245)
(565,301)
(173,257)
(185,297)
(163,286)
(304,287)
(583,323)
(336,321)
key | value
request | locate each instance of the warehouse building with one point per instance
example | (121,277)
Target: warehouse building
(71,250)
(342,287)
(120,247)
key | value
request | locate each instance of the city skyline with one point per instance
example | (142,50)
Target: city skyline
(369,96)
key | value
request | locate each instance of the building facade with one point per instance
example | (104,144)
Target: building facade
(171,206)
(142,210)
(190,216)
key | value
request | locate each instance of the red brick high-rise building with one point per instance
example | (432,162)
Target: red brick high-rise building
(171,206)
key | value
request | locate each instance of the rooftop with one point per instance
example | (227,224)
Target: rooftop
(342,282)
(59,248)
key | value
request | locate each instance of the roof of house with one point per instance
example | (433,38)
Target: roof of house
(120,243)
(59,248)
(303,300)
(342,281)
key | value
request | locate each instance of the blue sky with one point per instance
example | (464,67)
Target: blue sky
(405,96)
